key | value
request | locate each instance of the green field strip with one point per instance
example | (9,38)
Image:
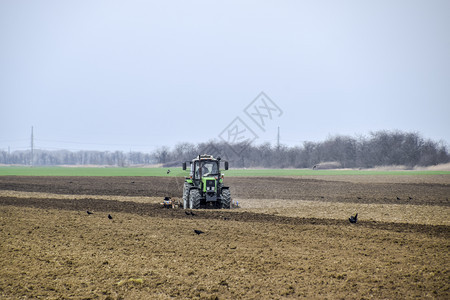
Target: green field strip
(178,172)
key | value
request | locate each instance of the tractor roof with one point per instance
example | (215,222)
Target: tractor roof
(205,157)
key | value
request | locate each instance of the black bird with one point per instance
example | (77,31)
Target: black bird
(168,171)
(89,213)
(198,231)
(359,198)
(398,198)
(132,182)
(410,198)
(187,213)
(353,219)
(109,217)
(192,213)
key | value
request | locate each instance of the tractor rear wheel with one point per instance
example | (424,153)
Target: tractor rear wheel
(186,195)
(194,199)
(226,199)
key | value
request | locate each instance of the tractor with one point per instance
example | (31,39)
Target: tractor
(204,186)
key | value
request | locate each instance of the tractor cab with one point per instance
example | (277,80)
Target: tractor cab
(204,168)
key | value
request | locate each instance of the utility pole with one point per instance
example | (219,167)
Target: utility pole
(32,146)
(278,138)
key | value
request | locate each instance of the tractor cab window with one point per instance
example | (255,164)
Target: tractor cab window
(208,168)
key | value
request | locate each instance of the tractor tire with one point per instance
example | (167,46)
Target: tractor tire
(186,195)
(194,199)
(226,199)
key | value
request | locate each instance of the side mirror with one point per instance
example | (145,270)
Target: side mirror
(226,165)
(184,166)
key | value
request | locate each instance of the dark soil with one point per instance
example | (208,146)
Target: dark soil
(243,188)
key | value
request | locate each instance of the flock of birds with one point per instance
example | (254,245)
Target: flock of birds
(91,213)
(190,213)
(353,219)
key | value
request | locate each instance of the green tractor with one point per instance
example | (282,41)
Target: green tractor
(204,186)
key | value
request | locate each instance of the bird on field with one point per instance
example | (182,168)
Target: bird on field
(353,219)
(198,231)
(398,198)
(187,213)
(109,217)
(410,198)
(192,213)
(359,198)
(168,171)
(89,213)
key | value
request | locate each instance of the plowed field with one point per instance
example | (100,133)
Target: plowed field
(290,238)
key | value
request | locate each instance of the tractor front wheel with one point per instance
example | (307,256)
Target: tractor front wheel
(194,199)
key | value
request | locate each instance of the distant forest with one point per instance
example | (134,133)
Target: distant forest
(381,148)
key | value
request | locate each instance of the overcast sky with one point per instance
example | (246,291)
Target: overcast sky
(135,75)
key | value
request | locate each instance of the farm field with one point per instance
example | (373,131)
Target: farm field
(290,238)
(177,172)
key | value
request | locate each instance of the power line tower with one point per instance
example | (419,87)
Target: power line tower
(32,146)
(278,138)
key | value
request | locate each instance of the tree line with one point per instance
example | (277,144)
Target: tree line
(381,148)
